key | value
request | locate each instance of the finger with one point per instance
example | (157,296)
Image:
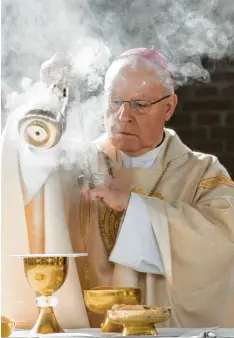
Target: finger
(100,192)
(85,191)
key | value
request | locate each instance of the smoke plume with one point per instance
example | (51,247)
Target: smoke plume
(96,31)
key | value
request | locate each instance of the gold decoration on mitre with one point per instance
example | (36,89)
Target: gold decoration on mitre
(212,182)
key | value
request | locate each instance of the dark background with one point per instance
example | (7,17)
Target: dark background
(204,118)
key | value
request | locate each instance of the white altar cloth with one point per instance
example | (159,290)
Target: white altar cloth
(96,333)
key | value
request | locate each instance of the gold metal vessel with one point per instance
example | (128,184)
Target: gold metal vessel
(46,275)
(138,320)
(7,326)
(101,299)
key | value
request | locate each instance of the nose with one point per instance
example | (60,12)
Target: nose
(125,112)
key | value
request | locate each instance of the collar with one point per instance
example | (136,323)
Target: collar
(172,148)
(145,161)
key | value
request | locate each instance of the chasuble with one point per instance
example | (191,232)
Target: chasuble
(180,252)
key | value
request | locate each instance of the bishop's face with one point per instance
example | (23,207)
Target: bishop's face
(137,127)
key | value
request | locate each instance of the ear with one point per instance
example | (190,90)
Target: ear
(170,106)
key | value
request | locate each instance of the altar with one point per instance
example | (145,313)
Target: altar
(163,332)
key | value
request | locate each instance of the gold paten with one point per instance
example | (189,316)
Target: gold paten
(46,275)
(101,299)
(138,320)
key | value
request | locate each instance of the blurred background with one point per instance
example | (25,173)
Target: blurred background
(196,36)
(205,115)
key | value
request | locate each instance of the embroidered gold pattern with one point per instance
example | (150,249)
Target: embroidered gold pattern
(109,220)
(212,182)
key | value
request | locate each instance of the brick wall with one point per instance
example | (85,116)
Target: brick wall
(204,118)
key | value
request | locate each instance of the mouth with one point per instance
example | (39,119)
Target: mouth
(126,134)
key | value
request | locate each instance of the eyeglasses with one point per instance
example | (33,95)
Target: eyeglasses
(140,106)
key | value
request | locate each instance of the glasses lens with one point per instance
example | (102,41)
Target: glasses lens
(141,106)
(115,104)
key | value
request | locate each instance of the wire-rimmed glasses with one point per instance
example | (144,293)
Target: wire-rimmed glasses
(139,106)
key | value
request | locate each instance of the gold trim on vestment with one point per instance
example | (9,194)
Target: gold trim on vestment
(109,221)
(138,191)
(212,182)
(158,195)
(142,192)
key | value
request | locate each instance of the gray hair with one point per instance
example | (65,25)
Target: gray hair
(134,62)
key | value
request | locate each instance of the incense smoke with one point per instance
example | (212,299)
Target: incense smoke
(95,32)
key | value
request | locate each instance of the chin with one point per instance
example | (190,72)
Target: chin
(126,146)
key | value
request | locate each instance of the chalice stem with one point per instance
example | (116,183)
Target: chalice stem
(47,322)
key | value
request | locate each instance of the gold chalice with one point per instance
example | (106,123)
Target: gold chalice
(101,299)
(46,273)
(138,320)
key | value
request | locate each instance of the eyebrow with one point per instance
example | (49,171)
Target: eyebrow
(137,98)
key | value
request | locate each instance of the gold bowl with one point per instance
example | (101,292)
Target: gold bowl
(7,326)
(101,299)
(138,320)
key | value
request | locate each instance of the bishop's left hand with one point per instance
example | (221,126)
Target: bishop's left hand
(114,194)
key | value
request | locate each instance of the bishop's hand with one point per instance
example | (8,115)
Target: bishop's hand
(114,194)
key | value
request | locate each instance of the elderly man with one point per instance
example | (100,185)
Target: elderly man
(163,220)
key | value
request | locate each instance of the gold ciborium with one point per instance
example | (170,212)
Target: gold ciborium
(101,299)
(46,273)
(138,320)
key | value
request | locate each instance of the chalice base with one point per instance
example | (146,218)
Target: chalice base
(139,330)
(108,326)
(47,322)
